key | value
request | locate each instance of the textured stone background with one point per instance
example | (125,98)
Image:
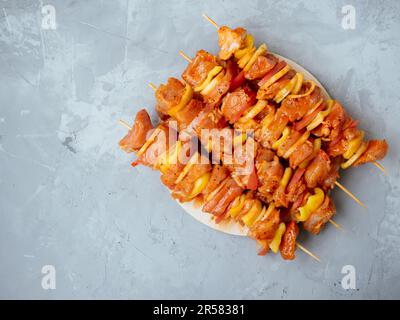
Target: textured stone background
(69,198)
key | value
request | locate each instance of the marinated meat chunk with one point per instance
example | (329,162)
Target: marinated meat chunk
(185,116)
(289,141)
(169,95)
(271,133)
(265,229)
(261,66)
(297,108)
(271,91)
(196,72)
(269,172)
(376,150)
(230,40)
(319,217)
(288,242)
(237,102)
(156,148)
(296,186)
(218,174)
(300,154)
(332,124)
(332,176)
(224,82)
(136,137)
(318,170)
(186,185)
(220,202)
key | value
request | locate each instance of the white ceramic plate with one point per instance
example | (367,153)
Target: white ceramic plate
(232,227)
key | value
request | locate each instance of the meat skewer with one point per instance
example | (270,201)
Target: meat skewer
(234,38)
(291,125)
(356,151)
(336,182)
(308,225)
(348,143)
(330,220)
(140,127)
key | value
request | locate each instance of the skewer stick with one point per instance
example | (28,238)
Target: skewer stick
(335,224)
(312,255)
(184,56)
(379,166)
(152,85)
(125,124)
(350,194)
(210,21)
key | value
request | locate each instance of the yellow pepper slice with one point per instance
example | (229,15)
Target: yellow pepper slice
(298,84)
(275,243)
(276,77)
(255,210)
(246,58)
(267,119)
(214,71)
(255,110)
(266,212)
(286,89)
(187,167)
(313,203)
(149,141)
(249,43)
(200,184)
(237,205)
(316,148)
(353,145)
(168,157)
(212,84)
(260,51)
(239,139)
(299,142)
(282,139)
(187,96)
(321,116)
(286,177)
(358,154)
(309,91)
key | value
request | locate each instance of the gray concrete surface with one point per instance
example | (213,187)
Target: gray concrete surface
(69,198)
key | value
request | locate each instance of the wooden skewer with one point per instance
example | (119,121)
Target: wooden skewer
(379,166)
(350,194)
(152,85)
(312,255)
(336,225)
(184,56)
(210,21)
(126,125)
